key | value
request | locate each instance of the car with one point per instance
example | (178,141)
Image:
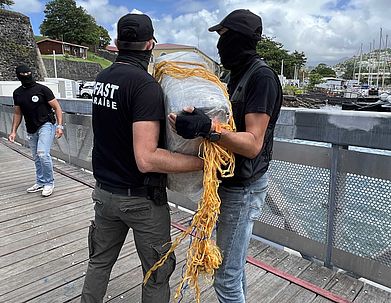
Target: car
(87,90)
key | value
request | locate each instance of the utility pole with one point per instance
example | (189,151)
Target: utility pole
(54,63)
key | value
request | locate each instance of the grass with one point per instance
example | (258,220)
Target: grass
(91,57)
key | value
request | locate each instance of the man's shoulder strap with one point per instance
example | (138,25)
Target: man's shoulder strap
(239,91)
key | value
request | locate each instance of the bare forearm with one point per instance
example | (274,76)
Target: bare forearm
(58,112)
(242,143)
(164,161)
(16,122)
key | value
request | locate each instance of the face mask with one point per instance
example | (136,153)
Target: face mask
(140,58)
(235,49)
(27,80)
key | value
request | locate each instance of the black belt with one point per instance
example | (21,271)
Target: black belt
(137,191)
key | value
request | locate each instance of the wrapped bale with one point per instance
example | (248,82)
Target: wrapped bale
(189,91)
(180,92)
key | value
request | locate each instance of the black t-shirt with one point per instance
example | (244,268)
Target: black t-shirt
(123,94)
(263,94)
(33,102)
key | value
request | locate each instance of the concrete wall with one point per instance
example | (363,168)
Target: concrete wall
(107,55)
(73,70)
(18,46)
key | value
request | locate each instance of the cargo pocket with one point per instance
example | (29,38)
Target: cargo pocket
(163,273)
(98,204)
(91,230)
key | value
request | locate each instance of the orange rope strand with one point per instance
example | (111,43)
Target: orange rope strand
(203,256)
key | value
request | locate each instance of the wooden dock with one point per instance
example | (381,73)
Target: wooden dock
(44,253)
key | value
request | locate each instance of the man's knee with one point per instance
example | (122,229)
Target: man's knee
(42,155)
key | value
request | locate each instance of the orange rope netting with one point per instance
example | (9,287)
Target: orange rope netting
(203,256)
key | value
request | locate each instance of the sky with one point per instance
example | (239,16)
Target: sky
(325,30)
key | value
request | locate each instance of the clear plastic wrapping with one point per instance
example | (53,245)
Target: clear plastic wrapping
(191,91)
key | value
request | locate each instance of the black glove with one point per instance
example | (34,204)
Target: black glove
(192,125)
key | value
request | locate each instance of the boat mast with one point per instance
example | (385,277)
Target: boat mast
(370,65)
(378,58)
(359,66)
(384,60)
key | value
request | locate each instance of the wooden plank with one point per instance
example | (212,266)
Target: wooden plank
(43,233)
(272,256)
(20,255)
(294,294)
(24,222)
(41,223)
(61,292)
(256,247)
(372,294)
(55,265)
(39,204)
(345,286)
(20,197)
(40,259)
(49,289)
(320,299)
(317,275)
(267,287)
(293,265)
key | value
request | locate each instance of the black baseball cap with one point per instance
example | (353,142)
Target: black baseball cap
(134,28)
(242,21)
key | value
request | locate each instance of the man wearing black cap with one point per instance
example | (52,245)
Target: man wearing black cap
(36,103)
(256,97)
(130,164)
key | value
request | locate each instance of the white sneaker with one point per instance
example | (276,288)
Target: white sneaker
(34,188)
(47,190)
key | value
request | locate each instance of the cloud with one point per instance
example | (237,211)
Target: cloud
(27,6)
(103,11)
(325,30)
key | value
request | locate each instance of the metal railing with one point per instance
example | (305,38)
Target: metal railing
(330,183)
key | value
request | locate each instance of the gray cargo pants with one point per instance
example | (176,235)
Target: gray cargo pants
(114,215)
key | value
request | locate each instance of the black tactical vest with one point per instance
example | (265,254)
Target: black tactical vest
(248,170)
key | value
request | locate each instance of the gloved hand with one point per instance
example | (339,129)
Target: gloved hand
(192,125)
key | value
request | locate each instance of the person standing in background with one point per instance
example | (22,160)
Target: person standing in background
(36,102)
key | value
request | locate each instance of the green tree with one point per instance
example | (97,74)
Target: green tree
(273,52)
(4,3)
(314,79)
(323,70)
(64,20)
(104,37)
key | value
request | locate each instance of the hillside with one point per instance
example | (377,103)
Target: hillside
(91,57)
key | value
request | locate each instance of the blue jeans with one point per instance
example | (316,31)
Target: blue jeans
(40,144)
(240,206)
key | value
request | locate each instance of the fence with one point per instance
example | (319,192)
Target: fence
(330,183)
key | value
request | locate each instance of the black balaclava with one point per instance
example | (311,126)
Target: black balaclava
(235,49)
(135,57)
(27,81)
